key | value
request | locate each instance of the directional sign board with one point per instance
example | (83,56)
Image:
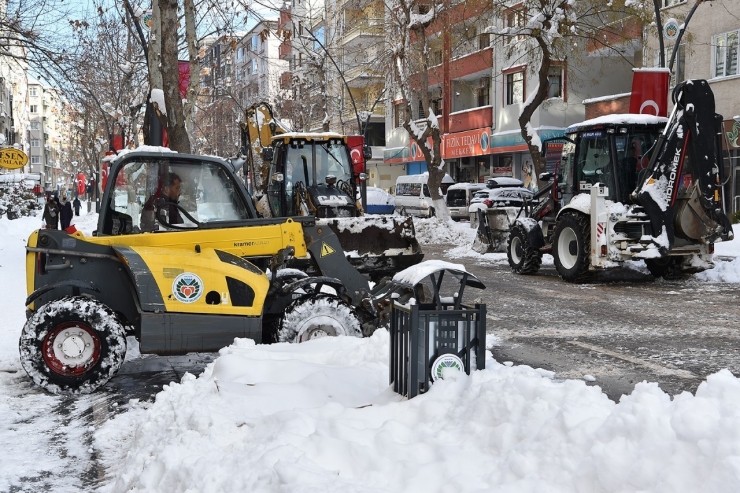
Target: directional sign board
(12,158)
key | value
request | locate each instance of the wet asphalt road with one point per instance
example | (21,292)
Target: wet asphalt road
(621,329)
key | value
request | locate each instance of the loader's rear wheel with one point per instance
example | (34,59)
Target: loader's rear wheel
(314,316)
(523,259)
(571,245)
(72,345)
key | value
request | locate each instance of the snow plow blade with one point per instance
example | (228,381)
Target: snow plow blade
(378,246)
(493,229)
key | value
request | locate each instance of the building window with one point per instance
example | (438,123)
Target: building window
(33,91)
(483,93)
(555,82)
(35,125)
(34,108)
(421,111)
(240,53)
(484,41)
(436,106)
(515,20)
(255,43)
(725,54)
(35,143)
(515,88)
(35,159)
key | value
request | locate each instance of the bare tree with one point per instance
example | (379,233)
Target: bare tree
(539,33)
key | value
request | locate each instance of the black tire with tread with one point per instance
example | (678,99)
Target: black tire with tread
(580,226)
(78,313)
(523,259)
(304,313)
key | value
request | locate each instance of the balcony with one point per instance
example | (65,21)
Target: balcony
(362,75)
(285,49)
(480,61)
(481,117)
(362,29)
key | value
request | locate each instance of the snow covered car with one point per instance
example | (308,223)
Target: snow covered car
(379,201)
(499,197)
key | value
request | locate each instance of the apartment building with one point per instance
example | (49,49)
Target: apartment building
(46,135)
(479,89)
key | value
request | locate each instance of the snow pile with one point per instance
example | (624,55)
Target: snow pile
(17,201)
(434,231)
(320,417)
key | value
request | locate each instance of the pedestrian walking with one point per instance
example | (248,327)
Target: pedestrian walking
(76,204)
(51,213)
(66,212)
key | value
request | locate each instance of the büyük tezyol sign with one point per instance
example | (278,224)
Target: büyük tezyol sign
(12,158)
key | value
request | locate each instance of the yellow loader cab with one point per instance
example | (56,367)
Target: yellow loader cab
(179,260)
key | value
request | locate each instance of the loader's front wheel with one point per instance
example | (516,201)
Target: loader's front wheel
(523,258)
(571,245)
(314,316)
(72,345)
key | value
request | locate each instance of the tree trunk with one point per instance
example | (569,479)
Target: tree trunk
(154,62)
(176,132)
(529,109)
(194,83)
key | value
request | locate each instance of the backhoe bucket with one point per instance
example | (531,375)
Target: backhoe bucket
(378,246)
(493,229)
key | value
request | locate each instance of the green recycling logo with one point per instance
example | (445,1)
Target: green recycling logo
(446,361)
(187,287)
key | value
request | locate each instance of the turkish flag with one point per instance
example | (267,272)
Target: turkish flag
(650,91)
(104,174)
(184,72)
(356,144)
(80,183)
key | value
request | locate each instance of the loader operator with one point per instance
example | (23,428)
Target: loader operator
(171,191)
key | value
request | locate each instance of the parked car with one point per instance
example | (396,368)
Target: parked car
(459,196)
(499,197)
(413,197)
(379,201)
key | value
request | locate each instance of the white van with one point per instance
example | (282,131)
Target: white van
(458,198)
(413,197)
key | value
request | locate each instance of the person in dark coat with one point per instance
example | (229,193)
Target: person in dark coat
(66,212)
(171,191)
(51,213)
(76,204)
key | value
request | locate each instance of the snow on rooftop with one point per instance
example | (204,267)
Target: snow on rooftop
(620,119)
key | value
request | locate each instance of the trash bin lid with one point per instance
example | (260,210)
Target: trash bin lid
(416,273)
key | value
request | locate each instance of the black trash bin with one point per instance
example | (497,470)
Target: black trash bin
(426,337)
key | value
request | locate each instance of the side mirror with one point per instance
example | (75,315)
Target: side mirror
(367,153)
(363,176)
(267,153)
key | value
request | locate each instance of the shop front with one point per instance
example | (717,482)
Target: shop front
(476,155)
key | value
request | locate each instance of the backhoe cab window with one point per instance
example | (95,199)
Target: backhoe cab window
(159,194)
(594,162)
